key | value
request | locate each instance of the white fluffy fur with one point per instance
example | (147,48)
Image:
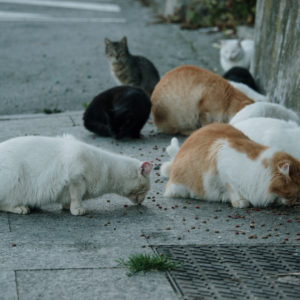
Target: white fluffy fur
(250,93)
(235,53)
(231,165)
(41,170)
(172,150)
(266,110)
(274,133)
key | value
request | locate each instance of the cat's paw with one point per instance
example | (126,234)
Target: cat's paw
(78,211)
(240,203)
(22,210)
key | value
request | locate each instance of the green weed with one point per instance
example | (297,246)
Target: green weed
(145,262)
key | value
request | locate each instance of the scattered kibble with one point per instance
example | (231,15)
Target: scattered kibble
(275,229)
(283,242)
(125,205)
(160,207)
(215,217)
(179,238)
(147,237)
(196,218)
(264,237)
(262,224)
(108,200)
(197,207)
(227,220)
(251,225)
(176,205)
(89,216)
(124,213)
(143,246)
(207,229)
(269,234)
(165,208)
(276,234)
(250,237)
(168,228)
(237,232)
(14,245)
(237,225)
(216,231)
(193,227)
(297,239)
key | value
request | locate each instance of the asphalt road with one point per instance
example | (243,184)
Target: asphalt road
(54,57)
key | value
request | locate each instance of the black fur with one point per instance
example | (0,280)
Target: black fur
(119,112)
(242,75)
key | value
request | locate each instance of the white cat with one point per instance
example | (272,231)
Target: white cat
(250,92)
(236,53)
(41,170)
(274,133)
(266,110)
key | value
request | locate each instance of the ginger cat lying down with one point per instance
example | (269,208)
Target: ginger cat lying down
(220,163)
(189,97)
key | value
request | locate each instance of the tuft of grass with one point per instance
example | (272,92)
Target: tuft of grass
(85,105)
(146,262)
(49,111)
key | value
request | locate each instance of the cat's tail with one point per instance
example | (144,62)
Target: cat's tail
(172,150)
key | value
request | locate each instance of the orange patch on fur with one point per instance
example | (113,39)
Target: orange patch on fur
(189,97)
(198,154)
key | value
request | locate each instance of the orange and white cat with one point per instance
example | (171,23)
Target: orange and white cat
(189,97)
(220,163)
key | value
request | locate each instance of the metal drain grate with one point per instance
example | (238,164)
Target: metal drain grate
(235,272)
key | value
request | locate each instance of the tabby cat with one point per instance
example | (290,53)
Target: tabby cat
(130,69)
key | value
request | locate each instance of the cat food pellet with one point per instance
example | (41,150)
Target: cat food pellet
(105,224)
(115,228)
(286,239)
(125,205)
(216,231)
(262,224)
(197,207)
(143,246)
(89,216)
(227,220)
(289,221)
(278,214)
(296,218)
(193,227)
(250,237)
(157,193)
(237,232)
(269,234)
(121,152)
(255,237)
(215,217)
(252,225)
(176,205)
(203,221)
(275,229)
(283,242)
(142,234)
(157,204)
(148,197)
(297,239)
(153,200)
(179,238)
(297,233)
(243,232)
(173,207)
(108,222)
(236,217)
(7,212)
(264,237)
(141,154)
(168,228)
(160,207)
(147,237)
(207,229)
(165,208)
(229,216)
(237,225)
(108,200)
(276,234)
(124,213)
(196,218)
(14,245)
(183,219)
(184,207)
(287,233)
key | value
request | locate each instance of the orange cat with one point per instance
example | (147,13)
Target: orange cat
(220,163)
(189,97)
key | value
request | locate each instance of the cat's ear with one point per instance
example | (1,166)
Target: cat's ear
(285,171)
(124,41)
(145,169)
(107,42)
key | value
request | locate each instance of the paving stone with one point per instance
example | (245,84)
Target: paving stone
(93,256)
(93,284)
(8,289)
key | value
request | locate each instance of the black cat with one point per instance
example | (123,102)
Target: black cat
(242,75)
(119,112)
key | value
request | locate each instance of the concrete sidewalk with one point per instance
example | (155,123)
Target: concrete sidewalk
(60,256)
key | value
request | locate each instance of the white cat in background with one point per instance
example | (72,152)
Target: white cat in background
(41,170)
(249,92)
(266,110)
(236,53)
(274,133)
